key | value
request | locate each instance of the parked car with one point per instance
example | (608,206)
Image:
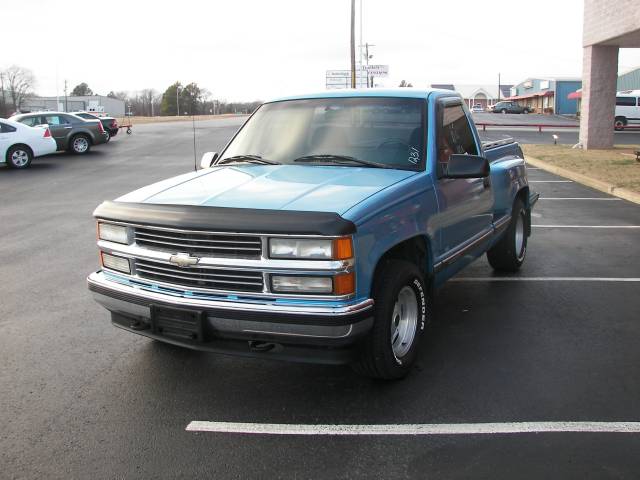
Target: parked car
(509,107)
(477,108)
(70,132)
(110,124)
(627,109)
(20,144)
(320,233)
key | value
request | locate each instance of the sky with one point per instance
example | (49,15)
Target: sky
(252,49)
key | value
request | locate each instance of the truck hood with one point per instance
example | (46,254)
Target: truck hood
(275,187)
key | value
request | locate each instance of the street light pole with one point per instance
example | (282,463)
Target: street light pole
(353,44)
(177,100)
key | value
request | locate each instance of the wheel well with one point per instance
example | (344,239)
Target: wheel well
(523,195)
(23,145)
(415,250)
(84,134)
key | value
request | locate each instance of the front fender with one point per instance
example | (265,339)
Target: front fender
(397,214)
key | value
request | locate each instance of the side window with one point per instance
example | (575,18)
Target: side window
(454,135)
(4,128)
(53,120)
(626,101)
(30,121)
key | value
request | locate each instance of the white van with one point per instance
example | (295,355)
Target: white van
(627,109)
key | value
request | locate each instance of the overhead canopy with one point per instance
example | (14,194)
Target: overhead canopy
(548,93)
(575,95)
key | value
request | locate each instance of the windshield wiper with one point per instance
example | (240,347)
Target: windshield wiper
(249,159)
(341,159)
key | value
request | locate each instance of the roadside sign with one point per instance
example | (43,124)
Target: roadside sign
(336,79)
(377,70)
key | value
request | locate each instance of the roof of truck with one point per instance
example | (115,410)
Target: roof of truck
(367,92)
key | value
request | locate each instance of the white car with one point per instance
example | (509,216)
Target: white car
(477,108)
(19,143)
(627,109)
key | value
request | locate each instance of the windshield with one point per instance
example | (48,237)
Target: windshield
(371,132)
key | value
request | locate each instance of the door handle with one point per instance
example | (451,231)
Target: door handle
(67,127)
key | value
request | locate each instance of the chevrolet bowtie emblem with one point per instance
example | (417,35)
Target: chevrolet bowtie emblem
(183,260)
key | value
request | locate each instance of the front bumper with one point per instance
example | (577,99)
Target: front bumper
(311,332)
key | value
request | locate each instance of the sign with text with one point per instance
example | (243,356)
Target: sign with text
(377,70)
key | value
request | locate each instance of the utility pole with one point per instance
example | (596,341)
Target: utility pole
(66,101)
(360,46)
(353,44)
(498,86)
(177,100)
(366,52)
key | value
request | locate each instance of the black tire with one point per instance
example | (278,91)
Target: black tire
(396,279)
(19,156)
(504,110)
(525,111)
(509,253)
(107,136)
(77,144)
(619,123)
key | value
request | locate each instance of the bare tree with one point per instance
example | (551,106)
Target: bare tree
(19,82)
(3,99)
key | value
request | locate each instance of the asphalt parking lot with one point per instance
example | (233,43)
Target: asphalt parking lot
(557,342)
(495,126)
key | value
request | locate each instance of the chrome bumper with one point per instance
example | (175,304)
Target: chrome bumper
(238,319)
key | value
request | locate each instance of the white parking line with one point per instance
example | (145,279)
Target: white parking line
(545,279)
(550,181)
(586,226)
(415,429)
(582,198)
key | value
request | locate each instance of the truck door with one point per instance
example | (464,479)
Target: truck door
(466,205)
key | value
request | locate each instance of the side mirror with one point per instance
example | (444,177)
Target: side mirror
(207,159)
(467,166)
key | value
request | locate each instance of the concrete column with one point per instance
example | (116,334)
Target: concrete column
(599,77)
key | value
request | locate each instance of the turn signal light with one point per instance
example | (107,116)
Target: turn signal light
(342,248)
(344,284)
(47,133)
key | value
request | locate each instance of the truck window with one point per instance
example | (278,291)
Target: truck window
(390,131)
(454,135)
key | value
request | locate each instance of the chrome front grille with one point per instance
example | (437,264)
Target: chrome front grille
(200,244)
(200,277)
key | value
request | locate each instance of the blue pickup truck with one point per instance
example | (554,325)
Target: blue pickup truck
(320,233)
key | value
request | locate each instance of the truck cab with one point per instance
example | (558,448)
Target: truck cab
(320,233)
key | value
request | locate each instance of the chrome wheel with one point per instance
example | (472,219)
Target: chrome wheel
(519,236)
(80,145)
(404,321)
(19,158)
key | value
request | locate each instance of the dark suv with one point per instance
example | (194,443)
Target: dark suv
(70,132)
(509,107)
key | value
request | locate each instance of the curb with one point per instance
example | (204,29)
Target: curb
(599,185)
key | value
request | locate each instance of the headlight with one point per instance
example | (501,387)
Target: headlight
(113,233)
(112,262)
(290,284)
(343,284)
(312,249)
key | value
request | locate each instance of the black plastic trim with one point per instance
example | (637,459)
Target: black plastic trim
(338,355)
(223,219)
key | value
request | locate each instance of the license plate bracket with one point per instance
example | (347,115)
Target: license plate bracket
(178,323)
